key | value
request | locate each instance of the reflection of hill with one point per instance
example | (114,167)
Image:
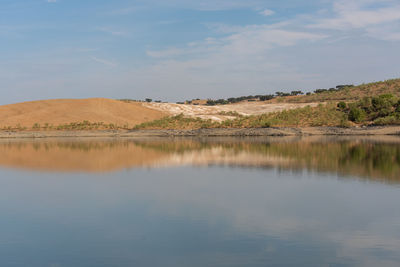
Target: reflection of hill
(377,161)
(90,156)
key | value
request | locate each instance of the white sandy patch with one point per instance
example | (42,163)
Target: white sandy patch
(213,112)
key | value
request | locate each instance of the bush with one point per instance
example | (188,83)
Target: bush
(356,114)
(266,97)
(389,120)
(210,102)
(294,93)
(265,124)
(342,105)
(319,91)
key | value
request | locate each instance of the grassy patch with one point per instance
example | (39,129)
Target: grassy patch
(322,115)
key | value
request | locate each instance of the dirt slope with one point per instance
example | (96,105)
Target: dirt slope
(61,111)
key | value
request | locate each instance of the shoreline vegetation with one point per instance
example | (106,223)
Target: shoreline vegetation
(344,110)
(215,132)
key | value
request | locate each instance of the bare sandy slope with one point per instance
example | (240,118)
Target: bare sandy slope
(214,112)
(61,111)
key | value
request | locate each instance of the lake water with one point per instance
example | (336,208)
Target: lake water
(200,202)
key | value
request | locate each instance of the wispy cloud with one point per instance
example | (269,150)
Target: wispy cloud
(241,59)
(252,39)
(267,12)
(378,18)
(104,61)
(52,1)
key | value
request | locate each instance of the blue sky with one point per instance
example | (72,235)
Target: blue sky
(184,49)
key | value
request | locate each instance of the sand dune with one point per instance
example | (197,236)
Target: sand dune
(61,111)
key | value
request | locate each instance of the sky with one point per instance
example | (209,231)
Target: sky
(175,50)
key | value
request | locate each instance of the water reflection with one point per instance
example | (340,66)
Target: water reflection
(114,202)
(364,158)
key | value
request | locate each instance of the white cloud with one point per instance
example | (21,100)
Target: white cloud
(267,12)
(52,1)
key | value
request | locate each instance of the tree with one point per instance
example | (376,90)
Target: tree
(319,91)
(296,93)
(149,100)
(266,97)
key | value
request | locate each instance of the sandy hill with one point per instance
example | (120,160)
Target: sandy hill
(62,111)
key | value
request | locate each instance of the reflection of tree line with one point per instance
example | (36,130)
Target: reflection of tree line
(68,145)
(365,159)
(378,161)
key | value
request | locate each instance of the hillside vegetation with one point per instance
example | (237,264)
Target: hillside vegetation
(379,110)
(337,93)
(349,93)
(368,104)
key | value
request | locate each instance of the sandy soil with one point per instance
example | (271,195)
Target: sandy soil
(213,112)
(63,111)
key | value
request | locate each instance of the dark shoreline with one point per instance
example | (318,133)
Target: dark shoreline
(220,132)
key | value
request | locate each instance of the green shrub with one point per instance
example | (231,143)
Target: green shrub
(366,104)
(389,120)
(342,105)
(397,106)
(356,114)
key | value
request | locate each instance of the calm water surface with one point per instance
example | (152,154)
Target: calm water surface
(200,202)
